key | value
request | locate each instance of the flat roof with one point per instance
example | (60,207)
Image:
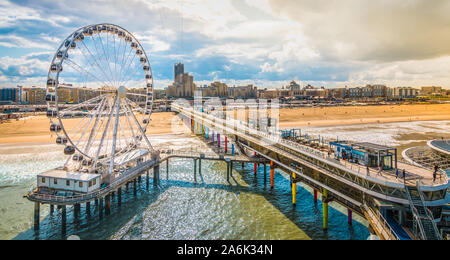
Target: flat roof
(374,147)
(442,146)
(370,147)
(62,174)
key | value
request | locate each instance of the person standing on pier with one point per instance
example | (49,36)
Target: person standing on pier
(436,168)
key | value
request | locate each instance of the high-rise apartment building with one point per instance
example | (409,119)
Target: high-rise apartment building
(178,70)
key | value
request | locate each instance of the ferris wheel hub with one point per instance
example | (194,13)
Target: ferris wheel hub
(122,92)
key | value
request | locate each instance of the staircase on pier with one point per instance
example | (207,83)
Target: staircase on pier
(424,226)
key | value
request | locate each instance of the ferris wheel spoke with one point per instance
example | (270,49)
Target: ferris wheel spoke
(103,136)
(126,75)
(129,78)
(137,107)
(80,69)
(115,56)
(107,59)
(108,51)
(87,102)
(98,66)
(127,64)
(94,128)
(85,126)
(129,123)
(139,125)
(98,60)
(102,57)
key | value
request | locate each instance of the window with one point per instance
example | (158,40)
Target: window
(68,183)
(55,181)
(90,183)
(95,182)
(81,184)
(43,180)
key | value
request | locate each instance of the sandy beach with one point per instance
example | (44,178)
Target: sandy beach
(36,129)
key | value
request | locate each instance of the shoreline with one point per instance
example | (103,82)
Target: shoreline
(49,140)
(348,122)
(36,129)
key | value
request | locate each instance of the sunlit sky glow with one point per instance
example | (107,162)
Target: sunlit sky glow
(265,42)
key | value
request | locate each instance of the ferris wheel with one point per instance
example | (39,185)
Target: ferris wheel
(100,97)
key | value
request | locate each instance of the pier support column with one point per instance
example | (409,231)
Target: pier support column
(199,166)
(195,170)
(37,215)
(255,167)
(52,209)
(100,208)
(167,168)
(325,209)
(228,170)
(88,209)
(315,196)
(134,187)
(231,168)
(226,144)
(108,205)
(139,179)
(156,176)
(96,203)
(119,196)
(265,174)
(126,186)
(76,210)
(350,216)
(294,190)
(218,140)
(63,219)
(272,175)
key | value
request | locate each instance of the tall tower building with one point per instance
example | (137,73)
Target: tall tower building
(179,70)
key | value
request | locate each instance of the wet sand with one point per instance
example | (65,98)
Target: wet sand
(36,129)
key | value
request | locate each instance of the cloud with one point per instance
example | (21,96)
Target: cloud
(379,30)
(268,42)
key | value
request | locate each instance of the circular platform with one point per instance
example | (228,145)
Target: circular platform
(442,146)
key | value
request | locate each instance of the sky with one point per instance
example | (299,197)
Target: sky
(268,43)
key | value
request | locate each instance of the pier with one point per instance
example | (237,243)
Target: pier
(401,199)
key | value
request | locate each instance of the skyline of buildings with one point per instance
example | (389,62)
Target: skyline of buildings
(184,86)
